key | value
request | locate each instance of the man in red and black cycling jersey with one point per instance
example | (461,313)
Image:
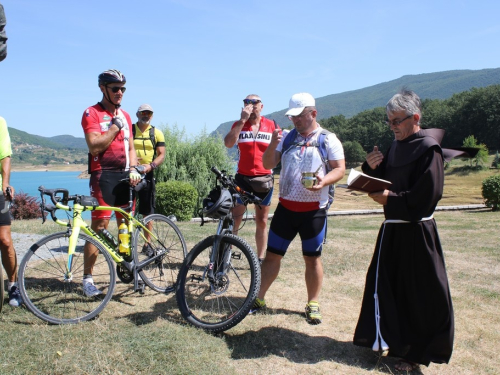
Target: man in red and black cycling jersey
(108,133)
(252,132)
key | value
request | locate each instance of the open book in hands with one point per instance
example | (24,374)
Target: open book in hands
(362,182)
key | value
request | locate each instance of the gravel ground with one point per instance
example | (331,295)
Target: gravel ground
(22,242)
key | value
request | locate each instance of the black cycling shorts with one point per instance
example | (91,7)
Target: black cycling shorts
(109,191)
(147,196)
(286,224)
(4,217)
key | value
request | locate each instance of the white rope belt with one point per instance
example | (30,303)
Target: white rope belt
(396,221)
(379,343)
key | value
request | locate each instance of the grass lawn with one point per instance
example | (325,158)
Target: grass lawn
(145,334)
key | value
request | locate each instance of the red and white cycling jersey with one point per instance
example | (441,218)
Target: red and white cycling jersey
(116,156)
(252,146)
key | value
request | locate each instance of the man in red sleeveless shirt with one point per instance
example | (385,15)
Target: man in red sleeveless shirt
(252,133)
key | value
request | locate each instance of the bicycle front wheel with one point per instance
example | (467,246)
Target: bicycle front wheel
(167,241)
(218,303)
(53,291)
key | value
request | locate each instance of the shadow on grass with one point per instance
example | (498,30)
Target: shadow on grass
(479,211)
(165,309)
(298,347)
(464,170)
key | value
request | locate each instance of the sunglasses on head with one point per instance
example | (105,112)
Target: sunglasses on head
(146,113)
(251,101)
(116,89)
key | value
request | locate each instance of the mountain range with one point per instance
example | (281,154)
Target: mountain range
(440,85)
(19,137)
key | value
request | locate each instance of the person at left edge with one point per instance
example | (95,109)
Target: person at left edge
(9,259)
(108,133)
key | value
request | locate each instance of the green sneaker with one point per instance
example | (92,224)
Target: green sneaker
(258,304)
(313,315)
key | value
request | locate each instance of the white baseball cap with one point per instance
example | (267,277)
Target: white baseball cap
(145,107)
(298,102)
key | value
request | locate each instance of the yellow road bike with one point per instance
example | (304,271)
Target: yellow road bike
(51,272)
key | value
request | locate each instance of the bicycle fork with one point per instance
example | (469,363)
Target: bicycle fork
(218,267)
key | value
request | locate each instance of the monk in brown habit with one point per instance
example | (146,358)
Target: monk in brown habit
(407,310)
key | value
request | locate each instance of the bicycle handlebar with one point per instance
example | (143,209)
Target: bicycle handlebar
(52,193)
(228,182)
(62,202)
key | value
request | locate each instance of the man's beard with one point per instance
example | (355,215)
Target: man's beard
(144,122)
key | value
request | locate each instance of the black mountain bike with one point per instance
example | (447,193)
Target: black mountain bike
(220,277)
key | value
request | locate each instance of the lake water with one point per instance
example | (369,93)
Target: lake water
(28,182)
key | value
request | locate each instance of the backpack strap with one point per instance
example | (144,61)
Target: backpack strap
(322,148)
(152,137)
(321,145)
(287,142)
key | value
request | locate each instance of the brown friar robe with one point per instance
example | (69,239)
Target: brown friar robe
(406,288)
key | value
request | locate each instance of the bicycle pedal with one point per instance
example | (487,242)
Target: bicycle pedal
(236,255)
(141,287)
(196,278)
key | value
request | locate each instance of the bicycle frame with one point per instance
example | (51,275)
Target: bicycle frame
(79,224)
(225,226)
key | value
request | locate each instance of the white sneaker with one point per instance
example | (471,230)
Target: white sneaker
(90,289)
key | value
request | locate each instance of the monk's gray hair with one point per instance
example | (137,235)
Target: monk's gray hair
(405,100)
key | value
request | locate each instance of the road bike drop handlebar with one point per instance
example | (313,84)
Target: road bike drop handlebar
(56,200)
(228,182)
(61,202)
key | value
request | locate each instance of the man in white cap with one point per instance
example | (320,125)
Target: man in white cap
(301,210)
(149,144)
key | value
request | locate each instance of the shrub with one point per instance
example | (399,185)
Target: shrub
(491,192)
(25,206)
(176,198)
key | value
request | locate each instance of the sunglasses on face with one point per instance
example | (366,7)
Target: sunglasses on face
(251,101)
(397,122)
(146,113)
(116,89)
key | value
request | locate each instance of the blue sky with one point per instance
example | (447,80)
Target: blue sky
(194,61)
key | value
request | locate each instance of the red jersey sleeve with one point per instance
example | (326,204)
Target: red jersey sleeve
(90,121)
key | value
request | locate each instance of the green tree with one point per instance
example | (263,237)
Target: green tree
(354,153)
(190,159)
(369,129)
(482,155)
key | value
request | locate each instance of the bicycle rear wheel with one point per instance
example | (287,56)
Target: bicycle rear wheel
(160,275)
(222,303)
(55,295)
